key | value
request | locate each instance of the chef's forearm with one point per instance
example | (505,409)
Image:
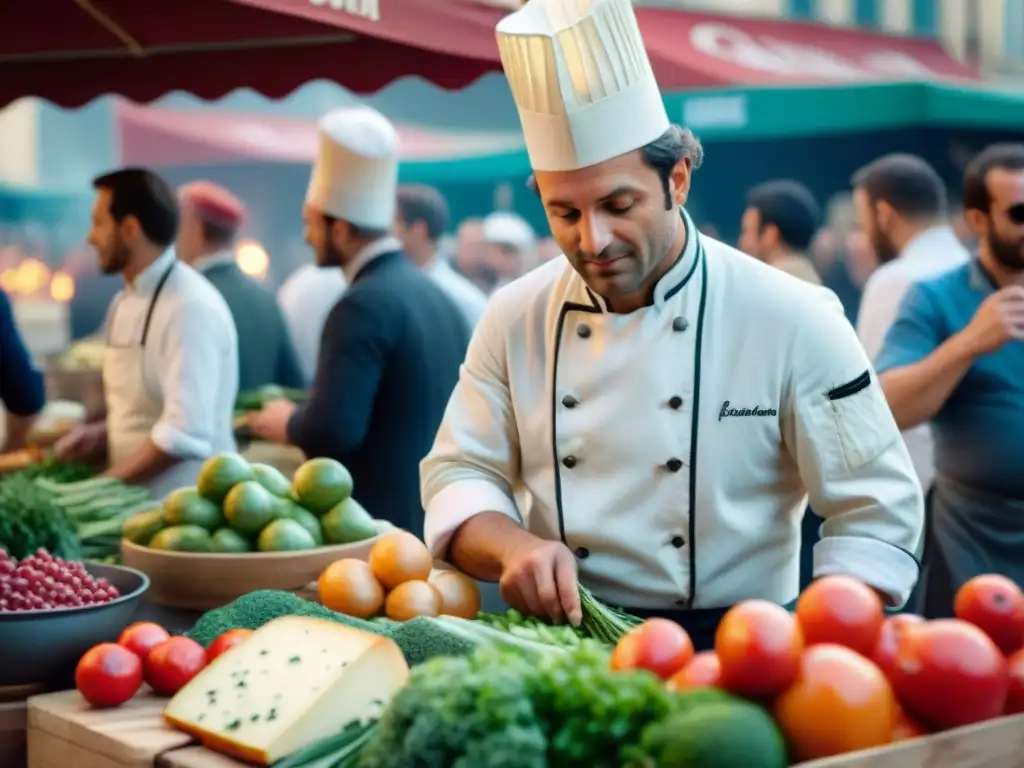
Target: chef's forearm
(482,544)
(917,392)
(148,462)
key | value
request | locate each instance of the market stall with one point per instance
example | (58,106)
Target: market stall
(261,619)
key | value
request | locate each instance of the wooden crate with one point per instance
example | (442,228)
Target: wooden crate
(13,727)
(64,732)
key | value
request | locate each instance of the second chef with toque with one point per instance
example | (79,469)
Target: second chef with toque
(391,346)
(669,403)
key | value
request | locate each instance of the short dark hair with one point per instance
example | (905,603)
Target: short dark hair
(1007,156)
(663,154)
(219,235)
(418,202)
(358,230)
(906,182)
(791,207)
(141,193)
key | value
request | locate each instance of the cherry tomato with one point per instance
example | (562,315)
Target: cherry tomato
(658,645)
(948,673)
(226,642)
(758,645)
(172,664)
(840,702)
(884,654)
(1015,698)
(108,675)
(995,605)
(906,727)
(703,671)
(142,636)
(841,610)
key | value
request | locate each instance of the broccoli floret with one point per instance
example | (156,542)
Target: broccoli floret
(592,714)
(468,712)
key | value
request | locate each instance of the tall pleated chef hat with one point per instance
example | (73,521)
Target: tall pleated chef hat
(581,81)
(355,177)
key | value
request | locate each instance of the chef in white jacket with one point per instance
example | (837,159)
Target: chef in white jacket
(170,373)
(668,403)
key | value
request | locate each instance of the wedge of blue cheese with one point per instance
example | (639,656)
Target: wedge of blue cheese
(295,681)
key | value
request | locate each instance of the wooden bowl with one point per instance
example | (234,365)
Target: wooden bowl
(200,582)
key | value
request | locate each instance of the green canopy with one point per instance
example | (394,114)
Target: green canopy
(783,112)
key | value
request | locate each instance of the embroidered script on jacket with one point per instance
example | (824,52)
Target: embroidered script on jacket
(757,410)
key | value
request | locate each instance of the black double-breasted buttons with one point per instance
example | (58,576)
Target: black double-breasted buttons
(582,553)
(569,461)
(570,402)
(680,324)
(678,542)
(675,402)
(583,331)
(673,465)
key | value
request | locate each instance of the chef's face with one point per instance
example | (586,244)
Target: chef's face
(875,219)
(612,223)
(321,234)
(1002,228)
(111,239)
(754,239)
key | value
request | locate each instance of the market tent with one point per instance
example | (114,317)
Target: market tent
(165,137)
(69,51)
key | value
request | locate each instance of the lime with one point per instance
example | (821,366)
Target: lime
(348,522)
(291,511)
(320,484)
(182,538)
(272,479)
(249,507)
(142,527)
(229,540)
(186,507)
(222,473)
(285,535)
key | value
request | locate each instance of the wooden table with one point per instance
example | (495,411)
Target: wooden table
(64,732)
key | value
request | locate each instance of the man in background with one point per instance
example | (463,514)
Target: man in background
(901,206)
(510,242)
(421,222)
(22,394)
(392,345)
(778,227)
(471,254)
(210,219)
(954,357)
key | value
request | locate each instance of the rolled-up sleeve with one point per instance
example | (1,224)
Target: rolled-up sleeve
(473,465)
(194,354)
(857,471)
(22,389)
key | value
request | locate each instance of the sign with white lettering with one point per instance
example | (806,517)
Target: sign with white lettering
(786,58)
(363,9)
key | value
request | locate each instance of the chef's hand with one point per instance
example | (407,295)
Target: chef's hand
(999,319)
(271,423)
(85,442)
(539,579)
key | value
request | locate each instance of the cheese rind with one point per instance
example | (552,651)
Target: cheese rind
(295,681)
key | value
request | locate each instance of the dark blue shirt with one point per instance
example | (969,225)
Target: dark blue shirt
(979,432)
(21,385)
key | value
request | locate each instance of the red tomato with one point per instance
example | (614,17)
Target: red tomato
(906,727)
(226,642)
(1015,698)
(840,702)
(841,610)
(888,640)
(108,675)
(948,673)
(142,636)
(995,605)
(703,671)
(658,645)
(758,645)
(172,664)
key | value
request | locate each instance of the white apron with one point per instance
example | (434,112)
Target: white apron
(132,410)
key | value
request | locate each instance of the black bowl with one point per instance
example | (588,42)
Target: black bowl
(42,648)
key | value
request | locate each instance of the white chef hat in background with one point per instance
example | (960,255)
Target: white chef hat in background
(355,177)
(507,228)
(581,81)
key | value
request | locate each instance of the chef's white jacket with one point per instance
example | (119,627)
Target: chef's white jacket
(932,252)
(673,449)
(306,298)
(467,297)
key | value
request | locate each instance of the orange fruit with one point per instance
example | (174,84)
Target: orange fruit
(348,586)
(399,557)
(411,599)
